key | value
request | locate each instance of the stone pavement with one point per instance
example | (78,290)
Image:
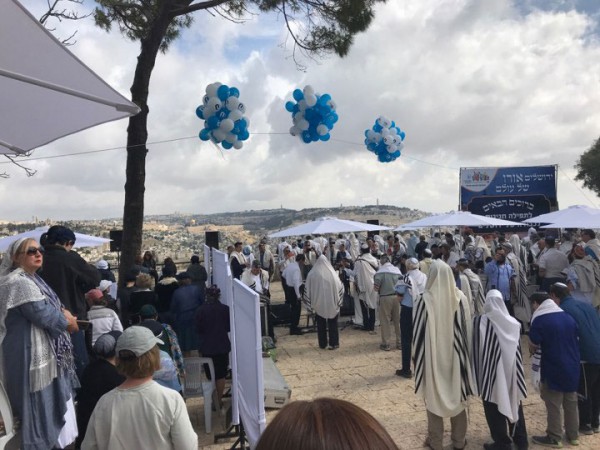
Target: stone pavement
(365,375)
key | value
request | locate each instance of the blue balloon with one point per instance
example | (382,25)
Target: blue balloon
(323,99)
(298,95)
(200,111)
(402,135)
(234,92)
(222,114)
(325,137)
(289,106)
(223,92)
(243,135)
(377,128)
(212,122)
(226,145)
(204,134)
(243,124)
(306,136)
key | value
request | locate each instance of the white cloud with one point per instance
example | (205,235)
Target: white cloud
(470,85)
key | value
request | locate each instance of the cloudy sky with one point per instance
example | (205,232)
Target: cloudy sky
(473,83)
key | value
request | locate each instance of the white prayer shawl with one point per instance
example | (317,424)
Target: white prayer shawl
(293,277)
(239,256)
(522,307)
(595,246)
(418,281)
(324,291)
(497,358)
(354,246)
(465,288)
(365,268)
(442,344)
(548,306)
(480,243)
(389,268)
(587,272)
(258,283)
(424,265)
(477,293)
(267,258)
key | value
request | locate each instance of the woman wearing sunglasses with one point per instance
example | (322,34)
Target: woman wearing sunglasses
(36,353)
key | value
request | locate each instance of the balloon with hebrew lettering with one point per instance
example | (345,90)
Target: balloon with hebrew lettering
(224,116)
(313,115)
(385,139)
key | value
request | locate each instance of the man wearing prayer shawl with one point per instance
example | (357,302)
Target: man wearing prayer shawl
(442,348)
(583,277)
(237,261)
(324,294)
(477,295)
(498,369)
(592,245)
(365,268)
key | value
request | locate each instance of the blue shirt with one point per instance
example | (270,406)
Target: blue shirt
(556,334)
(588,324)
(499,275)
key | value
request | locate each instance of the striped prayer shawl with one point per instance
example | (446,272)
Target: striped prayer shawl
(488,347)
(461,347)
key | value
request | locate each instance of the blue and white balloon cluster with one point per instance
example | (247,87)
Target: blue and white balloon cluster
(223,115)
(313,115)
(385,139)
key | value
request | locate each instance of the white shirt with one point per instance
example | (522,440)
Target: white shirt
(554,262)
(148,416)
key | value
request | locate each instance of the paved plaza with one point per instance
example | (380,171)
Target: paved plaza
(365,375)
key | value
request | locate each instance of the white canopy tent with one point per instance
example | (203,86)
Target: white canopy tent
(81,240)
(45,91)
(572,214)
(326,225)
(457,219)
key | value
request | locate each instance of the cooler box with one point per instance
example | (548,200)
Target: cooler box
(277,392)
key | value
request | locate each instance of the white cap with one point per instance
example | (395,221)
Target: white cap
(138,340)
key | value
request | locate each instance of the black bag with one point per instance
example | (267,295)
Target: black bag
(281,314)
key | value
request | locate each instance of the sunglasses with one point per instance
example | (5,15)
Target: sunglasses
(33,250)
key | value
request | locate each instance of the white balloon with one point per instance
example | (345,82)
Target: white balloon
(235,115)
(302,105)
(388,140)
(219,134)
(241,107)
(238,144)
(231,138)
(394,131)
(295,131)
(308,90)
(303,124)
(211,89)
(226,125)
(213,105)
(391,148)
(385,132)
(322,130)
(371,135)
(311,100)
(377,138)
(380,120)
(205,99)
(232,103)
(400,146)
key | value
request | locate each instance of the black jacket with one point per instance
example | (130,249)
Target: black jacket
(70,277)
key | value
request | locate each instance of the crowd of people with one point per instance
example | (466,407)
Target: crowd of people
(84,362)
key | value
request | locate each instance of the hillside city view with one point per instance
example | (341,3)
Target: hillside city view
(181,235)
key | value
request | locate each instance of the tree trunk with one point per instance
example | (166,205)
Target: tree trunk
(137,136)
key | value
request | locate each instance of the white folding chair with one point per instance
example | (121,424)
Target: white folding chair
(196,384)
(11,430)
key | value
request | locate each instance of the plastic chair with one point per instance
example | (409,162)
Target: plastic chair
(196,384)
(11,430)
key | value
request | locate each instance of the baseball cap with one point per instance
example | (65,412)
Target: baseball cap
(147,311)
(138,340)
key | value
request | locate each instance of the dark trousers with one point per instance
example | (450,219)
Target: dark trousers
(80,352)
(406,330)
(368,316)
(296,309)
(328,326)
(502,430)
(547,282)
(589,395)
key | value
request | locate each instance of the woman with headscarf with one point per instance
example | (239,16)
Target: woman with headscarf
(498,369)
(37,354)
(324,294)
(442,347)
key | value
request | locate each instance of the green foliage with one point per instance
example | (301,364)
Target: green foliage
(588,168)
(316,27)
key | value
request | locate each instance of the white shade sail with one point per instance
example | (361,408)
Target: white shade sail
(572,214)
(326,225)
(457,219)
(81,240)
(46,92)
